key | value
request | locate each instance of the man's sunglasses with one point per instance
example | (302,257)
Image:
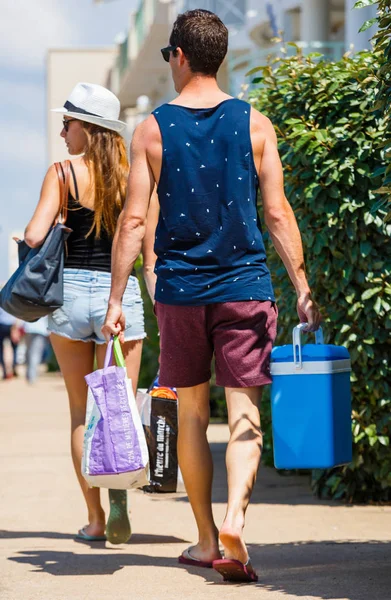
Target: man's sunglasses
(65,123)
(167,51)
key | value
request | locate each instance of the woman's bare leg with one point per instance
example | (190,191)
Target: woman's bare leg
(76,359)
(132,355)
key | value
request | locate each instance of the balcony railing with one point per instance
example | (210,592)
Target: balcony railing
(122,59)
(142,21)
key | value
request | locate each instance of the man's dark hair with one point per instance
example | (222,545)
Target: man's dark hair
(203,38)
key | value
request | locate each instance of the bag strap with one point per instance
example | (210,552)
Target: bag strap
(63,174)
(114,347)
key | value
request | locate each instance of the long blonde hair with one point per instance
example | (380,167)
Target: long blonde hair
(108,165)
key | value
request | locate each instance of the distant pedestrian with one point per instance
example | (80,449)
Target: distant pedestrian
(210,154)
(36,340)
(6,323)
(92,133)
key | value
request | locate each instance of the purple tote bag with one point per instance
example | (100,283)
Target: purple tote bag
(115,453)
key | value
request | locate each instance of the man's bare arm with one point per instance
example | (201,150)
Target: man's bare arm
(282,225)
(131,228)
(149,256)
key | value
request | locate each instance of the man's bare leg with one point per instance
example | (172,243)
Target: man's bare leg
(196,464)
(242,459)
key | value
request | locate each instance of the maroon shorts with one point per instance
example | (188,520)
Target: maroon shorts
(239,334)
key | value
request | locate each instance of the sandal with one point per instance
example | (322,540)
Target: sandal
(234,570)
(83,535)
(118,529)
(187,559)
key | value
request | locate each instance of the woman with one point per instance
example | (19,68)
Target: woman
(92,132)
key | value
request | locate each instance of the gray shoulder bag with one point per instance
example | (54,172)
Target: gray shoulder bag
(36,287)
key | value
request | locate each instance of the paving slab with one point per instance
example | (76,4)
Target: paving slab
(301,547)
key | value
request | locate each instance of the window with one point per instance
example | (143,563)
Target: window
(231,12)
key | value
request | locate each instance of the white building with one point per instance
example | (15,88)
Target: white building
(65,68)
(136,72)
(328,26)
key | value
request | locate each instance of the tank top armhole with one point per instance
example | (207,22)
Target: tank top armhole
(251,144)
(160,125)
(74,183)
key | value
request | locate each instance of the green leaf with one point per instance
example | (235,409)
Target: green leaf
(254,70)
(378,306)
(384,440)
(370,292)
(367,24)
(365,248)
(363,3)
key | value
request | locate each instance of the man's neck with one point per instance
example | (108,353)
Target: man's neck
(201,92)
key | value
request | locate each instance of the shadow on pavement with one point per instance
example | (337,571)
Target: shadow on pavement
(137,538)
(271,487)
(53,535)
(353,570)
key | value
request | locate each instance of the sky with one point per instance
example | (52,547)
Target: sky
(27,30)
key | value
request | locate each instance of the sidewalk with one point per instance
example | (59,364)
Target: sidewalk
(301,548)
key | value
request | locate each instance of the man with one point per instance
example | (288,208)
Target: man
(207,153)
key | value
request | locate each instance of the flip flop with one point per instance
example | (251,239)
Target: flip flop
(187,559)
(83,535)
(118,529)
(234,570)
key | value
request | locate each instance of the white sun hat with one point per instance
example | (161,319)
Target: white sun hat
(94,104)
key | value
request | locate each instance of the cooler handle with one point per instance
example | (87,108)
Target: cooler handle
(297,342)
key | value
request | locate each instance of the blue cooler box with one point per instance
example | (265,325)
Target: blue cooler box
(311,405)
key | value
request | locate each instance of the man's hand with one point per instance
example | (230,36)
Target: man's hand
(308,312)
(114,323)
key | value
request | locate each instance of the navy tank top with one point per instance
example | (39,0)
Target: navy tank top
(208,240)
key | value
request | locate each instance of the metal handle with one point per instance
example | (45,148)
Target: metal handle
(297,343)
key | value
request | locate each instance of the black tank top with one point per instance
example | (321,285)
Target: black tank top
(83,252)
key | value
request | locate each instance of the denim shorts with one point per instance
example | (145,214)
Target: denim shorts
(86,295)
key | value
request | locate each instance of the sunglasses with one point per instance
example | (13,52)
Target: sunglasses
(167,51)
(65,123)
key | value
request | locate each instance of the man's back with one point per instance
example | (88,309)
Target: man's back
(208,241)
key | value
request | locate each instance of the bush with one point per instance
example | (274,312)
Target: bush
(381,74)
(329,141)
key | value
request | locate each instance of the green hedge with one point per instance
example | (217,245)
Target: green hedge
(329,141)
(381,75)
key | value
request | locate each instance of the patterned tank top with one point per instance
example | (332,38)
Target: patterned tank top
(208,240)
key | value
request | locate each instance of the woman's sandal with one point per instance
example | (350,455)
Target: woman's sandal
(118,529)
(86,537)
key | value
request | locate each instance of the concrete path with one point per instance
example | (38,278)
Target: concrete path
(302,548)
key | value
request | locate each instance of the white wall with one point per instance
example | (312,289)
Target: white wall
(65,68)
